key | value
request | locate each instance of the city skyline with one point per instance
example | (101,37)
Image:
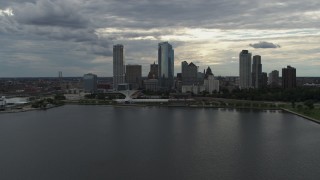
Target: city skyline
(43,37)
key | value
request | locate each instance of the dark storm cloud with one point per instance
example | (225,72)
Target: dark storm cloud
(264,44)
(80,26)
(224,14)
(55,20)
(51,13)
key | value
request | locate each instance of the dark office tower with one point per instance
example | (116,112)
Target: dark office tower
(256,72)
(264,80)
(118,66)
(189,73)
(274,78)
(245,79)
(134,76)
(153,74)
(288,77)
(166,66)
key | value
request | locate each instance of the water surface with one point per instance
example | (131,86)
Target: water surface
(101,142)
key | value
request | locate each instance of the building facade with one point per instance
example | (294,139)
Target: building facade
(211,84)
(256,72)
(134,76)
(189,73)
(195,89)
(289,77)
(118,65)
(264,80)
(245,80)
(273,79)
(151,85)
(90,83)
(166,66)
(153,73)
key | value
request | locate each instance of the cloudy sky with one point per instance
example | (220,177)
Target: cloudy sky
(42,37)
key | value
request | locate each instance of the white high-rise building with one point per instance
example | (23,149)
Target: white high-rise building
(211,84)
(166,65)
(245,70)
(118,66)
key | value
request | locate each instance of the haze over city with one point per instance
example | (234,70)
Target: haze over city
(42,37)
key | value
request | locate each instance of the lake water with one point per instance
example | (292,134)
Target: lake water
(101,142)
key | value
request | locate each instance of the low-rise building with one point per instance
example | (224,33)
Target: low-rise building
(151,85)
(195,89)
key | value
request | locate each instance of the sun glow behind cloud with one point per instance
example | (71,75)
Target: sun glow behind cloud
(202,34)
(6,12)
(81,33)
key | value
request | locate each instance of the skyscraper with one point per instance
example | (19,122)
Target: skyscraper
(90,83)
(166,65)
(256,72)
(118,66)
(189,73)
(263,80)
(245,70)
(134,75)
(288,77)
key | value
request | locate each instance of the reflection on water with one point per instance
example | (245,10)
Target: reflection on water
(101,142)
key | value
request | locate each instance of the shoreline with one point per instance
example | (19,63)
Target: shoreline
(169,106)
(301,115)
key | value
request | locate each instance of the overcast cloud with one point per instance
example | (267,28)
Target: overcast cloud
(42,37)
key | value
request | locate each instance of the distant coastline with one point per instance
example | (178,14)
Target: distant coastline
(253,105)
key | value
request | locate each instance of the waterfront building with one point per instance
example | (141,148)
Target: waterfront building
(189,73)
(273,80)
(90,83)
(288,77)
(166,66)
(153,73)
(256,72)
(118,65)
(151,85)
(134,75)
(195,89)
(211,84)
(124,87)
(245,80)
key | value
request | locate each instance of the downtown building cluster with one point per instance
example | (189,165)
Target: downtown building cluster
(251,75)
(161,76)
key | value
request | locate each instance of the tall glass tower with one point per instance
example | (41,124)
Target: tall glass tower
(118,66)
(245,70)
(166,65)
